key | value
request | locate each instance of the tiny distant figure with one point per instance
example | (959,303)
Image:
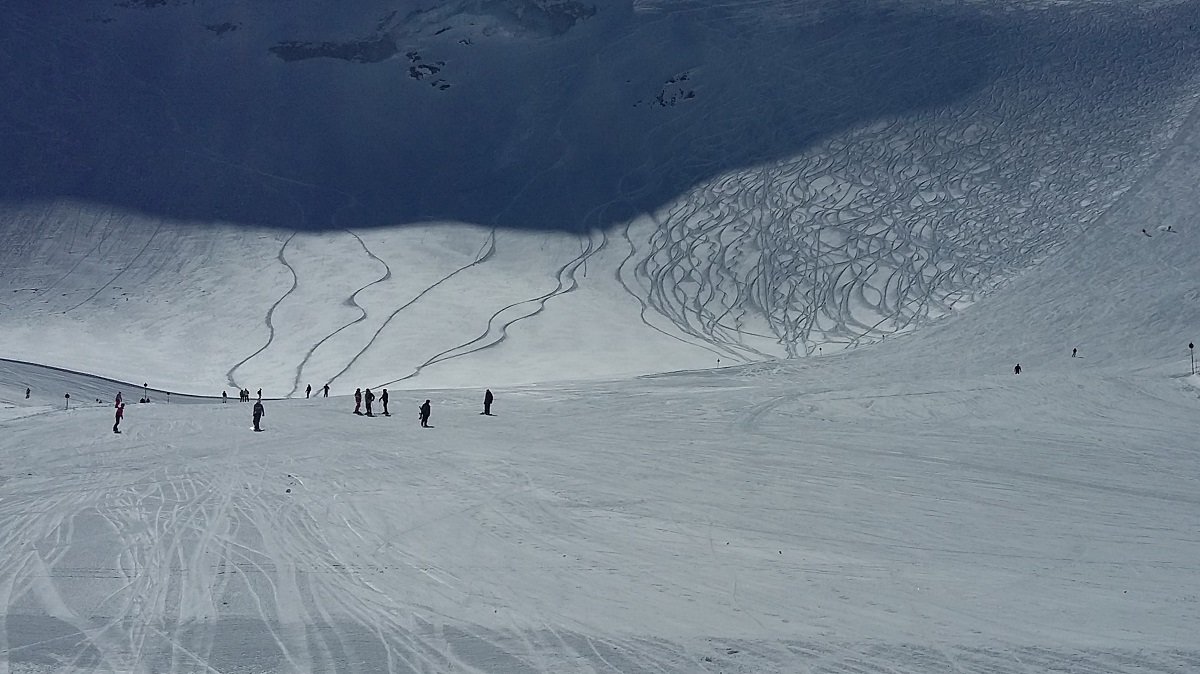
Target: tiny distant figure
(487,402)
(120,400)
(259,413)
(1017,369)
(383,399)
(423,415)
(1074,351)
(1170,229)
(308,391)
(224,397)
(370,397)
(120,416)
(327,390)
(27,394)
(259,394)
(358,401)
(1145,232)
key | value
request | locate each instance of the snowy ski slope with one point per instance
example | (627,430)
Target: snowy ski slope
(660,490)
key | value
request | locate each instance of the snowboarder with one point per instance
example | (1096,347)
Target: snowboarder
(383,399)
(370,399)
(224,396)
(1017,369)
(358,401)
(327,390)
(259,413)
(307,391)
(487,402)
(424,414)
(120,415)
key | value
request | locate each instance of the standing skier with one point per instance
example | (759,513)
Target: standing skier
(370,399)
(358,401)
(307,391)
(487,402)
(424,414)
(120,415)
(259,413)
(327,390)
(1017,369)
(383,397)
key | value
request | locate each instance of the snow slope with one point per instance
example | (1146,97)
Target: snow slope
(843,173)
(904,505)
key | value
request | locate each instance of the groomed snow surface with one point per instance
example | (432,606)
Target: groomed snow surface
(770,424)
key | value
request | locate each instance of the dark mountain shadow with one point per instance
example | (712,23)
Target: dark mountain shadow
(293,119)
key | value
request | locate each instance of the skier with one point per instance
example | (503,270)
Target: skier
(370,399)
(120,415)
(1074,351)
(1017,369)
(383,399)
(120,401)
(259,394)
(327,390)
(424,415)
(358,401)
(259,413)
(27,393)
(487,402)
(307,391)
(224,397)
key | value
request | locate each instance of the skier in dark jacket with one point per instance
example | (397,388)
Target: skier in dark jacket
(424,415)
(259,413)
(119,416)
(487,402)
(327,390)
(308,391)
(370,399)
(358,401)
(1017,369)
(383,397)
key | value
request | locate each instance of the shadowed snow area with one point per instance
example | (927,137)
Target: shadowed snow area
(922,196)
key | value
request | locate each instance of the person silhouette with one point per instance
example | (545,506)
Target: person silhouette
(308,391)
(327,390)
(383,398)
(424,414)
(1017,369)
(487,402)
(259,413)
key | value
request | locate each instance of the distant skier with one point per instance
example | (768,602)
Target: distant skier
(383,398)
(1145,232)
(119,416)
(259,413)
(224,396)
(1017,369)
(358,401)
(27,393)
(308,391)
(487,402)
(260,394)
(120,400)
(327,390)
(424,414)
(370,397)
(1074,351)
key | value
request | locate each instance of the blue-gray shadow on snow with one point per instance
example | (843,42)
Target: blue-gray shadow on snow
(166,109)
